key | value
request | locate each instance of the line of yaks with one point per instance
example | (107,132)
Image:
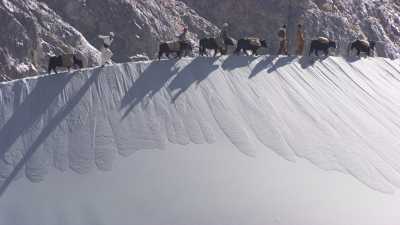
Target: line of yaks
(244,44)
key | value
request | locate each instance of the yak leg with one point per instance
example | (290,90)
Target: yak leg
(237,51)
(326,52)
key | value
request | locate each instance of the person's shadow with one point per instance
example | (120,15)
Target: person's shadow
(282,61)
(34,107)
(262,65)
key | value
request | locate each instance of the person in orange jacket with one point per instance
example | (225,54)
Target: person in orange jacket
(300,40)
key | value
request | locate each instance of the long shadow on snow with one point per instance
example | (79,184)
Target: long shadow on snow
(195,72)
(351,59)
(26,114)
(283,61)
(307,61)
(46,90)
(148,84)
(235,61)
(262,65)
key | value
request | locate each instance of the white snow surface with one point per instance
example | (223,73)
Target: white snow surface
(229,141)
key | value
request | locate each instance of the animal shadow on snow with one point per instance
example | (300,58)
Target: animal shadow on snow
(263,65)
(31,111)
(307,61)
(195,72)
(150,82)
(352,58)
(283,61)
(235,61)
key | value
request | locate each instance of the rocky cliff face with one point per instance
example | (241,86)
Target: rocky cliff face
(342,20)
(37,29)
(29,32)
(139,25)
(32,30)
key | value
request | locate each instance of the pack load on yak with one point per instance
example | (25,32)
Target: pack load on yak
(363,40)
(323,40)
(254,41)
(105,50)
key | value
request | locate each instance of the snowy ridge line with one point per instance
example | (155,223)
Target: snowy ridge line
(340,114)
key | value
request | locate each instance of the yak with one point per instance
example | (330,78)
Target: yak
(177,47)
(321,44)
(363,46)
(213,43)
(252,44)
(66,61)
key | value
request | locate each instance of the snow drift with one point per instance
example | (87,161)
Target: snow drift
(218,121)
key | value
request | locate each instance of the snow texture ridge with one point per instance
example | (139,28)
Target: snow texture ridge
(340,114)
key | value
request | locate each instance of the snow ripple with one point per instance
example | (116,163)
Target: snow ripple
(340,114)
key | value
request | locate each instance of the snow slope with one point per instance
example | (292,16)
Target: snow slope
(229,130)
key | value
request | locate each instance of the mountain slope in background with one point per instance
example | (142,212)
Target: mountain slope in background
(230,130)
(341,20)
(38,31)
(39,28)
(30,31)
(139,25)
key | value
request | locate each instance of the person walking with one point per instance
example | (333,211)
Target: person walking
(282,34)
(223,36)
(183,36)
(300,40)
(184,42)
(105,50)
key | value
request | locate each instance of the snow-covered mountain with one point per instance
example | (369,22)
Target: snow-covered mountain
(341,20)
(139,25)
(233,134)
(32,30)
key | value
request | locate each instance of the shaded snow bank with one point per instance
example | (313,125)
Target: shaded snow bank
(340,114)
